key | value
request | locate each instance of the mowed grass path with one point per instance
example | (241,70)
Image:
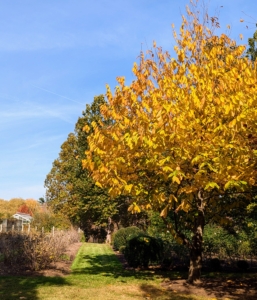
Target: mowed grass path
(96,274)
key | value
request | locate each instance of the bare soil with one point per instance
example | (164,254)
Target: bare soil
(218,288)
(58,268)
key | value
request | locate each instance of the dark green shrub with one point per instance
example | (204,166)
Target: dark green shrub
(242,264)
(215,264)
(141,250)
(167,262)
(122,249)
(121,237)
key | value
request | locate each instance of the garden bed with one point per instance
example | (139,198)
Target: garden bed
(61,267)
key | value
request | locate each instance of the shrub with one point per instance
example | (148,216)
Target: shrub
(122,249)
(242,264)
(215,264)
(82,237)
(34,251)
(167,262)
(141,250)
(231,242)
(121,237)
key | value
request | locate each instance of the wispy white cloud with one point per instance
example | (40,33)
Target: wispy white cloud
(34,142)
(45,90)
(20,110)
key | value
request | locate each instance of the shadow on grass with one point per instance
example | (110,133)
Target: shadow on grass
(109,265)
(238,288)
(244,288)
(12,287)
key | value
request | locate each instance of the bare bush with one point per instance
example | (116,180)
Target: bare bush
(34,251)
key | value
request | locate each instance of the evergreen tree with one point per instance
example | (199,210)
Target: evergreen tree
(252,50)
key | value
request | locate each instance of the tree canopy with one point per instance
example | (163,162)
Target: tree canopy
(71,190)
(183,136)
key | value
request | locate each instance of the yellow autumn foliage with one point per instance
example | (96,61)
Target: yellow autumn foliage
(183,126)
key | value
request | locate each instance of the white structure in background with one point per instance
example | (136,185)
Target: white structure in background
(25,218)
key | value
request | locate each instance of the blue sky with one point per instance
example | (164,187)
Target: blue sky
(55,56)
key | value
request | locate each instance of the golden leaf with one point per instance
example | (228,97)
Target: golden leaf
(99,184)
(86,128)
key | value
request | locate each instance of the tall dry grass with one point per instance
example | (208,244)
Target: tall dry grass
(34,251)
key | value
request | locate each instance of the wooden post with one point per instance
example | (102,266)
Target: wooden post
(22,227)
(1,227)
(12,227)
(42,230)
(53,230)
(29,228)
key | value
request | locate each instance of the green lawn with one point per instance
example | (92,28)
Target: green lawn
(96,274)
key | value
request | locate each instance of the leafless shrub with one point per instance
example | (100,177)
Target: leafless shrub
(34,251)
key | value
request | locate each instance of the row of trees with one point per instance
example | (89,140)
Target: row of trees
(10,207)
(43,215)
(180,140)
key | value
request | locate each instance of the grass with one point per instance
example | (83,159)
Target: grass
(96,274)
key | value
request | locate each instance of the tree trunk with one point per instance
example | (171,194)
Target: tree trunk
(195,265)
(196,250)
